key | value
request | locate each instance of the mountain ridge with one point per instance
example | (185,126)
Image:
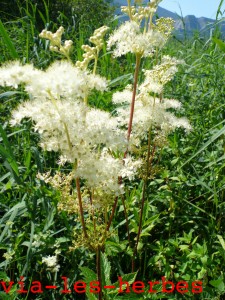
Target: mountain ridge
(183,25)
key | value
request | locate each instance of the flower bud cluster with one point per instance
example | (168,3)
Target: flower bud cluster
(56,41)
(137,15)
(156,78)
(91,53)
(98,37)
(62,183)
(165,26)
(154,4)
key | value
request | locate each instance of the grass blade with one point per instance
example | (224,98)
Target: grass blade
(210,141)
(8,42)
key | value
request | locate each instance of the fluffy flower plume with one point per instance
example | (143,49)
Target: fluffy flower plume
(61,79)
(129,38)
(71,127)
(13,74)
(151,111)
(79,133)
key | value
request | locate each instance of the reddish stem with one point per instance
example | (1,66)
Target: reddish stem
(81,207)
(138,61)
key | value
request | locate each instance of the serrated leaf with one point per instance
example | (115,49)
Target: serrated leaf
(184,247)
(130,278)
(105,270)
(114,247)
(89,276)
(219,284)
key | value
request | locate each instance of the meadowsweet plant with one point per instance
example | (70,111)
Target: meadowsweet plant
(103,150)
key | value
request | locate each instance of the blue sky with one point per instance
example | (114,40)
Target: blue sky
(199,8)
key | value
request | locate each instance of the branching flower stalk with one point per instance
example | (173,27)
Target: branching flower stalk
(136,73)
(75,165)
(143,198)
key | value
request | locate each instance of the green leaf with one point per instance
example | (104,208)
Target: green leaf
(4,277)
(49,219)
(8,224)
(4,296)
(9,94)
(105,269)
(19,207)
(220,43)
(218,283)
(119,79)
(130,278)
(219,9)
(7,154)
(89,276)
(222,242)
(7,41)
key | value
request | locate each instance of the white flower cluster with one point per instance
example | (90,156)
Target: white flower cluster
(39,240)
(62,79)
(130,38)
(141,37)
(51,262)
(92,140)
(9,255)
(151,111)
(69,126)
(13,74)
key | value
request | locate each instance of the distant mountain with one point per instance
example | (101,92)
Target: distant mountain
(187,25)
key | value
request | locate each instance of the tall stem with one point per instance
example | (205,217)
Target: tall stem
(112,214)
(81,207)
(96,63)
(143,198)
(129,9)
(127,222)
(140,224)
(138,62)
(137,67)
